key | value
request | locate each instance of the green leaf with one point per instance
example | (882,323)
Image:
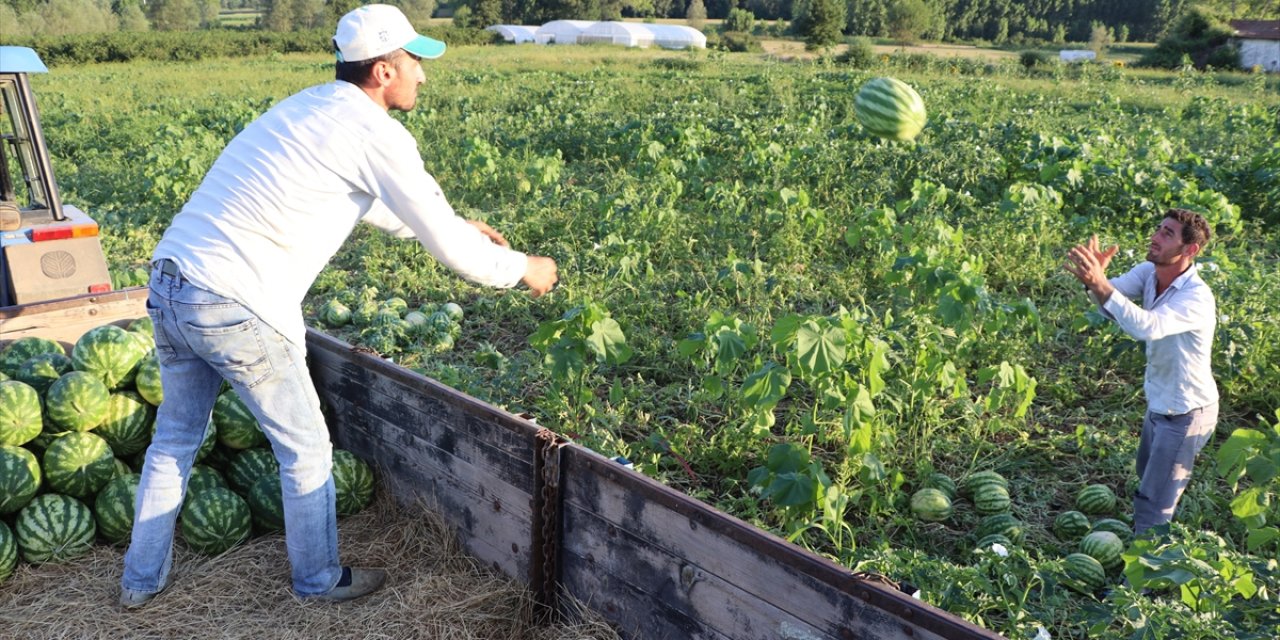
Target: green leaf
(819,350)
(786,457)
(566,361)
(689,347)
(1251,502)
(608,342)
(1239,447)
(1260,537)
(792,489)
(730,347)
(764,388)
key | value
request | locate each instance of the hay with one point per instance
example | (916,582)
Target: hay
(434,591)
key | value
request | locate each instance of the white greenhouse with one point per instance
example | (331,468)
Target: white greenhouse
(677,36)
(561,31)
(513,32)
(627,34)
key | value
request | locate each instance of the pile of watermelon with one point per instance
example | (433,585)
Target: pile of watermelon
(1093,548)
(391,326)
(74,429)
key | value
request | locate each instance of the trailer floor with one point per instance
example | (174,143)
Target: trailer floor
(434,591)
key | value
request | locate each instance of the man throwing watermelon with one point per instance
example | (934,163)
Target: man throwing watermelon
(1176,321)
(232,269)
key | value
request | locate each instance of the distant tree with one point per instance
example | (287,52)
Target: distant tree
(339,8)
(696,14)
(1059,33)
(868,18)
(740,20)
(909,19)
(132,18)
(62,17)
(419,11)
(823,23)
(485,12)
(173,15)
(462,17)
(1100,37)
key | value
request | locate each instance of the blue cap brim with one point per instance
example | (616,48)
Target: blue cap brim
(425,47)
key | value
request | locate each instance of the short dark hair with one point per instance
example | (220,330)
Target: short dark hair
(359,72)
(1195,229)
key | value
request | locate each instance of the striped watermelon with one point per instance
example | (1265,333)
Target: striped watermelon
(250,465)
(996,538)
(54,527)
(352,481)
(1070,526)
(145,342)
(215,520)
(930,505)
(147,382)
(1084,573)
(122,468)
(77,402)
(20,416)
(1004,524)
(1096,499)
(453,310)
(110,353)
(266,503)
(1105,547)
(941,482)
(1122,530)
(43,370)
(991,498)
(334,314)
(143,325)
(78,464)
(19,478)
(975,481)
(127,427)
(113,508)
(237,428)
(19,351)
(889,108)
(204,477)
(8,552)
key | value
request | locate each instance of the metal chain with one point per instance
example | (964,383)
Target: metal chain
(549,445)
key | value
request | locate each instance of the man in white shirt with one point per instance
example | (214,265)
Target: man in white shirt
(1176,321)
(233,267)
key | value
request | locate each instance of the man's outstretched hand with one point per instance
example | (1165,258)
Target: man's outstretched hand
(1088,263)
(540,275)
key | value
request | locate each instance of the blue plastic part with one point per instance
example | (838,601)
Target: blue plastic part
(20,60)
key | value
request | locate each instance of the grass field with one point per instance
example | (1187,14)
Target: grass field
(814,320)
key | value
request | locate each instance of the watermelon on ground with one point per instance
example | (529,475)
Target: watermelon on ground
(991,498)
(113,508)
(14,354)
(977,480)
(1084,573)
(19,478)
(1122,530)
(931,505)
(1096,499)
(205,477)
(942,482)
(43,370)
(1004,524)
(266,503)
(110,353)
(215,520)
(77,402)
(54,527)
(78,464)
(8,552)
(20,416)
(889,108)
(996,538)
(334,314)
(250,465)
(127,425)
(352,481)
(237,428)
(1070,526)
(1105,547)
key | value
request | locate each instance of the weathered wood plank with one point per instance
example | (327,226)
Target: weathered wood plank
(66,320)
(676,554)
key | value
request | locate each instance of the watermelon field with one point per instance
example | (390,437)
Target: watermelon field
(867,347)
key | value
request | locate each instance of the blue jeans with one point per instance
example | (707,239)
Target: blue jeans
(201,339)
(1166,455)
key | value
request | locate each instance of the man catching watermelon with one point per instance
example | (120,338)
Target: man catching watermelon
(1176,321)
(231,271)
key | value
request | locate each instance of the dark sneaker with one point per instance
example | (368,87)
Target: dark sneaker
(355,583)
(134,599)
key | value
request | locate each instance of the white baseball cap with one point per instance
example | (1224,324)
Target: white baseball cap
(378,29)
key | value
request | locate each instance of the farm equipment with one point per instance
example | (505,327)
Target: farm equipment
(48,250)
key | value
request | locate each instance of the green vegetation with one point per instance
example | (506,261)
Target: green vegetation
(766,308)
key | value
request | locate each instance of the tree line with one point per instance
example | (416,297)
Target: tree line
(996,21)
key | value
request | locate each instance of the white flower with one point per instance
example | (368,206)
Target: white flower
(1128,253)
(999,550)
(1041,634)
(1224,319)
(1212,266)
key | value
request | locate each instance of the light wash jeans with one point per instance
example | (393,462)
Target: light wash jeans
(201,339)
(1166,455)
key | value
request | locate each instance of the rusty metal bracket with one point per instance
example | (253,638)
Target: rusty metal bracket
(544,561)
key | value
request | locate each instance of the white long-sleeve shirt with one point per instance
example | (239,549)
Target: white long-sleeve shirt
(1178,327)
(287,191)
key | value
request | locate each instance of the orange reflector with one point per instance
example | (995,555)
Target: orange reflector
(100,288)
(64,231)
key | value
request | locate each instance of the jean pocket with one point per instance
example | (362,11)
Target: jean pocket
(165,352)
(236,351)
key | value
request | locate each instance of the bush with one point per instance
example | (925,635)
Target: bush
(739,20)
(859,55)
(1030,59)
(1201,34)
(740,42)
